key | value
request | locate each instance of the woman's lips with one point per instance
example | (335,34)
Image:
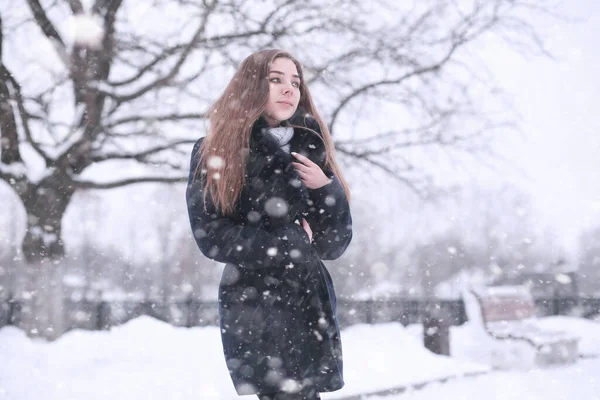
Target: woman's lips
(285,103)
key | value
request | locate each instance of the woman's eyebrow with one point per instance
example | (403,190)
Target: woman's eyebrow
(281,73)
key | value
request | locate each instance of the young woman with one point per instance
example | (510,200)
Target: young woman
(266,197)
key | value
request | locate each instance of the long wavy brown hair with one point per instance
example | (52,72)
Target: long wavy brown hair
(231,119)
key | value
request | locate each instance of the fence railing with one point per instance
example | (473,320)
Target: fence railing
(98,315)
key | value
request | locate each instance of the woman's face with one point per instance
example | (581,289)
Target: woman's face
(284,91)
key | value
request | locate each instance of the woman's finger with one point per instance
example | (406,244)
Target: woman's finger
(299,166)
(304,160)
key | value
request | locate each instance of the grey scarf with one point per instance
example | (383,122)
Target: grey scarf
(283,135)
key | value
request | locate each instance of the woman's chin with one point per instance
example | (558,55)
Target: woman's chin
(275,120)
(287,115)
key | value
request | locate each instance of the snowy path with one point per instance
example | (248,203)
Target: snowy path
(580,381)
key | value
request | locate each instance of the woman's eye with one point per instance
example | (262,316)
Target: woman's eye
(276,80)
(296,84)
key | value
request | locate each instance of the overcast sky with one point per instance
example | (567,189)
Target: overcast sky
(559,103)
(553,157)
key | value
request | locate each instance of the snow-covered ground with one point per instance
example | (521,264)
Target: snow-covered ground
(151,360)
(580,381)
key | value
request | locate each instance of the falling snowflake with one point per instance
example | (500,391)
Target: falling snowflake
(246,388)
(87,31)
(199,233)
(295,182)
(563,278)
(275,362)
(291,386)
(273,378)
(276,207)
(496,269)
(254,216)
(215,162)
(379,269)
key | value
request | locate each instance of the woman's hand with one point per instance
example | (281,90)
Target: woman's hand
(310,173)
(307,229)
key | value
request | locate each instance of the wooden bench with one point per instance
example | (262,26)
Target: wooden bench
(507,314)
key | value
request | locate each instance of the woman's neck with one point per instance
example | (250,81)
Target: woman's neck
(273,123)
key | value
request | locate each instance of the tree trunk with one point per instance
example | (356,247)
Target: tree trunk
(43,250)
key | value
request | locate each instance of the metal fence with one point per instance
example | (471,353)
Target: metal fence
(98,315)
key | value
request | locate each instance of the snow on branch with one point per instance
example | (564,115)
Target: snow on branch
(111,185)
(140,156)
(88,31)
(159,118)
(12,171)
(49,30)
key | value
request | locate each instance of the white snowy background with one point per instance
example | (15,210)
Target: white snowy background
(558,152)
(552,161)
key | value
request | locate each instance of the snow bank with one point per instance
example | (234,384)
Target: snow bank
(587,330)
(384,356)
(151,360)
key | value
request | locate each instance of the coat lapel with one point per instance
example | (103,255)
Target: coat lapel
(305,141)
(270,172)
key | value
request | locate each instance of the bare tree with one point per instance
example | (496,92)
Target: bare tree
(133,84)
(9,251)
(440,259)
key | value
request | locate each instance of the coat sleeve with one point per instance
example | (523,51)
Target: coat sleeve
(331,221)
(226,240)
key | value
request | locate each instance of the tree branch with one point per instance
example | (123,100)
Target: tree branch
(15,175)
(9,137)
(384,167)
(8,125)
(146,68)
(109,28)
(175,70)
(25,118)
(161,118)
(139,156)
(48,29)
(207,43)
(111,185)
(388,82)
(76,6)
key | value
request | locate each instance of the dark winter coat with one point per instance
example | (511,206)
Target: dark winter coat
(277,304)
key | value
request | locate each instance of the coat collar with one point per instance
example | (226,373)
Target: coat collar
(261,141)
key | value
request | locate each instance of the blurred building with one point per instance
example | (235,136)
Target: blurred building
(544,284)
